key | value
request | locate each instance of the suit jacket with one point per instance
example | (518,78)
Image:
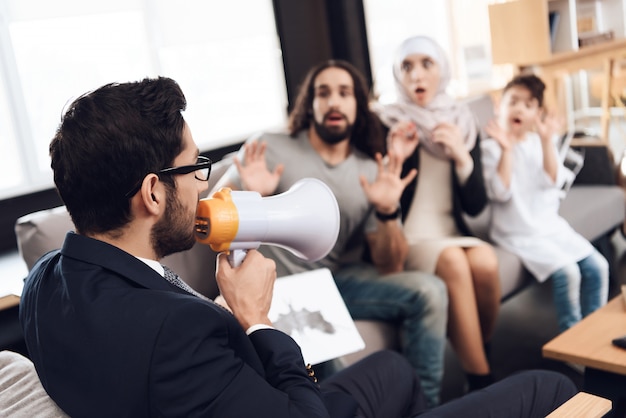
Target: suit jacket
(110,337)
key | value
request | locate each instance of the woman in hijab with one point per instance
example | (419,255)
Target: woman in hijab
(439,137)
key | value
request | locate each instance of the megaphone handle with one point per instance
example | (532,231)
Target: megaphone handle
(235,257)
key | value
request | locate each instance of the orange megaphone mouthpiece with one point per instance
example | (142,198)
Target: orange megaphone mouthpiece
(217,220)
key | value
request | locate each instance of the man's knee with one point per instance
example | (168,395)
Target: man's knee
(390,359)
(432,291)
(388,383)
(429,293)
(546,382)
(393,367)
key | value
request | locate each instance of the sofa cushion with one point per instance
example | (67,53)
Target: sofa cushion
(513,275)
(594,210)
(21,393)
(40,232)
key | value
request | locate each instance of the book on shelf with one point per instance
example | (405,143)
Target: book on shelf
(594,38)
(553,19)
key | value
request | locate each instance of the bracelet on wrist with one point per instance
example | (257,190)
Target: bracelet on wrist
(384,217)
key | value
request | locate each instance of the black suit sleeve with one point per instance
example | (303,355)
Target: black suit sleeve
(203,366)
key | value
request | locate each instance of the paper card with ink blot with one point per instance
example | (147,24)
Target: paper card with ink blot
(309,308)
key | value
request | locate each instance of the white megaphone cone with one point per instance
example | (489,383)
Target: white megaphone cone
(303,220)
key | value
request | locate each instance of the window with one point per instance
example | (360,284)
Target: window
(461,27)
(8,147)
(228,64)
(392,21)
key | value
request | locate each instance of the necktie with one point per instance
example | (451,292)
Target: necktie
(173,278)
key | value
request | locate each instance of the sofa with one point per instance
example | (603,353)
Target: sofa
(21,392)
(595,211)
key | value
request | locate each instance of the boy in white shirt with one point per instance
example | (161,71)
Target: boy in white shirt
(524,175)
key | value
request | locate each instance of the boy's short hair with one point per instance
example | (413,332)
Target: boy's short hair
(530,82)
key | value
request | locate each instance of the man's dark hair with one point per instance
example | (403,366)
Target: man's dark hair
(108,141)
(530,82)
(367,133)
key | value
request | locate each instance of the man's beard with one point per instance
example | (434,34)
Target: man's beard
(332,135)
(175,231)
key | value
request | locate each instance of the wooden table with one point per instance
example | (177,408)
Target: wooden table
(582,405)
(588,343)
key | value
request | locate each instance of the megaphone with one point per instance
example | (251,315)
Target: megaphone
(303,220)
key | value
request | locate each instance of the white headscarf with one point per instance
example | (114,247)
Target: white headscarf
(442,107)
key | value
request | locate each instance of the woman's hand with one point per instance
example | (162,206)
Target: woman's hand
(402,139)
(254,173)
(449,136)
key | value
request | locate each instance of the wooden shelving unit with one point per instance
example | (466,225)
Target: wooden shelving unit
(522,34)
(525,32)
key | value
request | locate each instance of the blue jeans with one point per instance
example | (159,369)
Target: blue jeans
(579,289)
(416,301)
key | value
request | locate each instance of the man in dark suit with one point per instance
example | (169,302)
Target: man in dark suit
(113,333)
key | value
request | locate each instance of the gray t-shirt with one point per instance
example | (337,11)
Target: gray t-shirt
(356,213)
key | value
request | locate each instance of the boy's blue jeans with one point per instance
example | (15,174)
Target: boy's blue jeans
(415,301)
(580,288)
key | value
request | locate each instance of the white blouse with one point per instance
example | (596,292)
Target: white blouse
(430,227)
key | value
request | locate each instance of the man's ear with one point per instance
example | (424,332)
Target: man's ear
(152,193)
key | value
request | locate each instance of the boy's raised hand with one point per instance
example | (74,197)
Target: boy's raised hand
(254,174)
(548,125)
(495,131)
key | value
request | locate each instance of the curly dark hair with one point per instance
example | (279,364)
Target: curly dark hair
(530,82)
(367,133)
(108,140)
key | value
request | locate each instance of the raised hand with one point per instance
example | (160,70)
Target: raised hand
(384,193)
(495,131)
(547,126)
(449,136)
(254,174)
(402,139)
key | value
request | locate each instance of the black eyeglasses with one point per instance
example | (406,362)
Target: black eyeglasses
(202,170)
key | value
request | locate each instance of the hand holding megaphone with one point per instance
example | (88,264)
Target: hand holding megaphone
(303,220)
